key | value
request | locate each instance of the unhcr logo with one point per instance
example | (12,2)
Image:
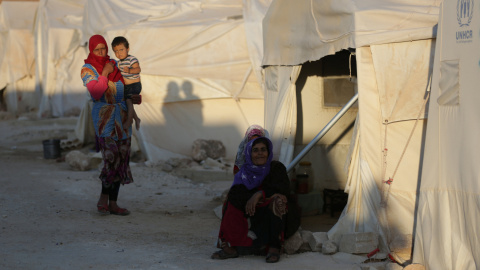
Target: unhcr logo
(464,18)
(464,12)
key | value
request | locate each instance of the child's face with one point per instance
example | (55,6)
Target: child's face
(120,51)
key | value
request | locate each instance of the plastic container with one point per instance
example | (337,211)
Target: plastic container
(304,177)
(51,149)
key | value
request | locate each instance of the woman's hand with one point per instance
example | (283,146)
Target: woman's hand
(107,69)
(252,203)
(281,196)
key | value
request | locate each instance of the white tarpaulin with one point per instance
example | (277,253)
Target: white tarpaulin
(447,231)
(17,69)
(197,74)
(306,30)
(201,73)
(389,143)
(59,57)
(299,31)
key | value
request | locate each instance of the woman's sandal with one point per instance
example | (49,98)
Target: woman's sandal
(272,257)
(103,209)
(120,212)
(222,255)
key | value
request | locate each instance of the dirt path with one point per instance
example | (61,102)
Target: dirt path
(48,218)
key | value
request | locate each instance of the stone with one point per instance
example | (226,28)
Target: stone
(316,240)
(358,242)
(203,149)
(293,244)
(166,167)
(306,235)
(174,162)
(77,160)
(329,247)
(210,163)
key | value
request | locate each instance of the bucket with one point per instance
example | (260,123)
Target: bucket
(51,149)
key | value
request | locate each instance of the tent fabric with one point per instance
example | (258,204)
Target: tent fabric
(449,194)
(281,110)
(198,81)
(59,57)
(329,26)
(17,58)
(373,205)
(253,14)
(196,39)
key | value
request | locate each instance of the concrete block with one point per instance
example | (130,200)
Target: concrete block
(359,242)
(316,240)
(306,235)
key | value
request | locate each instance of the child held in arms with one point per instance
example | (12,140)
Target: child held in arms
(130,69)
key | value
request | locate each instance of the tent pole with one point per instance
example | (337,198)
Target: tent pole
(322,133)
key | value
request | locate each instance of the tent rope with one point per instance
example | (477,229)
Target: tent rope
(389,182)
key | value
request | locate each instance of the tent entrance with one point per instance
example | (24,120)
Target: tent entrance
(326,100)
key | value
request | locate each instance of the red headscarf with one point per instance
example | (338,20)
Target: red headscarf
(99,62)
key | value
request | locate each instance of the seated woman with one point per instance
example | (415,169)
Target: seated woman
(259,191)
(253,131)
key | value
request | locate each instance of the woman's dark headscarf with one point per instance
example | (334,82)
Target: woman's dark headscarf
(251,175)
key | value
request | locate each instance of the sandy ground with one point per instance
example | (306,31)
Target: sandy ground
(48,218)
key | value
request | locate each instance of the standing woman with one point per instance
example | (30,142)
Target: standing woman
(105,84)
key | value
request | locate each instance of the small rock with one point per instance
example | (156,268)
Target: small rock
(78,160)
(203,149)
(329,247)
(293,244)
(166,167)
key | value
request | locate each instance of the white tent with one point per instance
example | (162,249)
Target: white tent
(59,57)
(197,76)
(448,208)
(394,42)
(196,57)
(17,69)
